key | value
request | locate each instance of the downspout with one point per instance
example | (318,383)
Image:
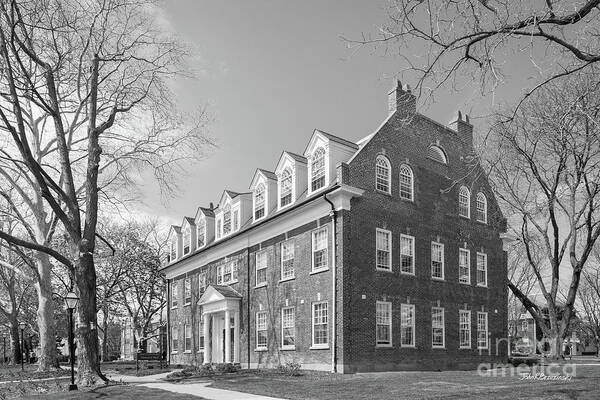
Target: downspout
(333,215)
(248,300)
(168,320)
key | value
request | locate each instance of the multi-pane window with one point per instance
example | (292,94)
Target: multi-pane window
(481,269)
(383,175)
(319,249)
(236,220)
(384,249)
(201,233)
(288,328)
(320,325)
(407,254)
(227,273)
(437,260)
(464,202)
(407,325)
(259,202)
(482,330)
(174,294)
(437,153)
(174,339)
(173,249)
(481,207)
(261,330)
(524,325)
(318,169)
(464,266)
(406,183)
(187,240)
(226,219)
(219,230)
(285,188)
(438,336)
(187,291)
(201,335)
(287,259)
(261,268)
(187,342)
(202,281)
(464,322)
(383,315)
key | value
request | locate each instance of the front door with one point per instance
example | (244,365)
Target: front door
(218,338)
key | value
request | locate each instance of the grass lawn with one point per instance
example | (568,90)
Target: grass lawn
(13,372)
(413,385)
(119,392)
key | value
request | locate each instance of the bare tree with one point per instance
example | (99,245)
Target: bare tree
(523,278)
(589,298)
(97,72)
(546,173)
(453,42)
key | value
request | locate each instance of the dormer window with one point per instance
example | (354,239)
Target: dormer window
(201,233)
(236,220)
(187,240)
(173,249)
(259,202)
(317,170)
(285,188)
(219,231)
(226,220)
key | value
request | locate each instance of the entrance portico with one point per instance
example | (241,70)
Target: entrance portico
(221,320)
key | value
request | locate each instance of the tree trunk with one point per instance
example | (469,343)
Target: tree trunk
(45,315)
(105,328)
(16,341)
(88,352)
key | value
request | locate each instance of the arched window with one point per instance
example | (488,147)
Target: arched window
(382,175)
(406,183)
(285,188)
(259,202)
(464,202)
(318,169)
(438,154)
(481,208)
(187,240)
(201,233)
(226,219)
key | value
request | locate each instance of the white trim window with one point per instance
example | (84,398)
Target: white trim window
(173,249)
(201,234)
(481,208)
(407,183)
(174,294)
(383,316)
(464,266)
(288,328)
(407,254)
(174,339)
(318,170)
(287,260)
(187,240)
(187,291)
(383,177)
(320,325)
(261,330)
(259,202)
(236,219)
(437,260)
(482,330)
(407,325)
(481,269)
(202,281)
(285,188)
(464,202)
(201,335)
(438,328)
(261,268)
(320,253)
(464,334)
(383,246)
(226,220)
(219,228)
(187,339)
(227,273)
(524,325)
(437,153)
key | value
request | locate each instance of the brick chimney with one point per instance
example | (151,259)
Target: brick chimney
(463,127)
(402,100)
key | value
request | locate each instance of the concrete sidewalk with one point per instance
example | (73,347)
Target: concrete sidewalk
(201,389)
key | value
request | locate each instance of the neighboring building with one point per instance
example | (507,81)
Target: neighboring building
(129,344)
(383,254)
(526,335)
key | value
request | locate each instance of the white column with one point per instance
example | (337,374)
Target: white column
(227,337)
(236,337)
(206,328)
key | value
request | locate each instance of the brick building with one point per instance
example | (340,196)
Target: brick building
(383,254)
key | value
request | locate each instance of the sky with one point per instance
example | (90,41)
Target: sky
(271,72)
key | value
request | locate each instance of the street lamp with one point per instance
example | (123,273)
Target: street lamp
(71,301)
(22,327)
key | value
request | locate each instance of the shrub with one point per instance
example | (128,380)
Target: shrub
(227,368)
(290,368)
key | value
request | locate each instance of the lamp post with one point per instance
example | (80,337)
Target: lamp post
(3,346)
(71,301)
(22,327)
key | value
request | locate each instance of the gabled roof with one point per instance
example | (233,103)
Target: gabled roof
(268,174)
(338,139)
(176,228)
(231,193)
(295,156)
(189,220)
(217,293)
(227,291)
(206,211)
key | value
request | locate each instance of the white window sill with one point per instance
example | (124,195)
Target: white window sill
(318,271)
(279,208)
(287,348)
(200,351)
(187,352)
(187,304)
(174,352)
(465,348)
(483,286)
(384,346)
(465,283)
(464,216)
(406,346)
(482,222)
(433,278)
(383,192)
(259,219)
(291,278)
(438,347)
(409,200)
(407,273)
(260,285)
(319,347)
(259,349)
(174,308)
(383,269)
(228,283)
